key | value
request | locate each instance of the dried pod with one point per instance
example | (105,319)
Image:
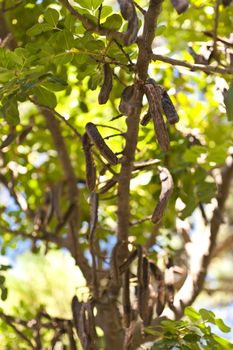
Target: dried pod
(129,13)
(94,204)
(146,119)
(160,287)
(143,289)
(76,306)
(9,139)
(161,301)
(126,299)
(180,5)
(109,184)
(170,282)
(132,30)
(168,107)
(125,265)
(115,272)
(154,98)
(90,164)
(106,152)
(24,133)
(166,191)
(127,104)
(107,85)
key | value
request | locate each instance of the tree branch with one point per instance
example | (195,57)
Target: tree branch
(132,122)
(194,67)
(110,34)
(73,192)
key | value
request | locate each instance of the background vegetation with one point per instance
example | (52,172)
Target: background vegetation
(54,56)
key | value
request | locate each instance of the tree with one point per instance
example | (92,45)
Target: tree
(68,160)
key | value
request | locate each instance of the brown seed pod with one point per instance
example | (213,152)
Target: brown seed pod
(24,133)
(9,139)
(109,184)
(126,299)
(154,99)
(90,164)
(146,119)
(106,152)
(168,107)
(180,5)
(170,282)
(143,289)
(107,85)
(129,13)
(161,288)
(127,104)
(94,204)
(166,191)
(125,265)
(115,272)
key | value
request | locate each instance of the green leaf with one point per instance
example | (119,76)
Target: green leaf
(222,326)
(45,97)
(191,154)
(51,16)
(113,22)
(191,338)
(207,315)
(4,294)
(96,4)
(87,4)
(55,84)
(63,58)
(205,191)
(10,111)
(35,30)
(2,279)
(192,314)
(225,344)
(228,100)
(66,38)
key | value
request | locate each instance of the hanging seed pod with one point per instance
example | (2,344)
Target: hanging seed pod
(170,282)
(166,191)
(115,272)
(154,99)
(161,288)
(125,265)
(106,152)
(76,306)
(126,299)
(168,107)
(90,164)
(24,133)
(146,119)
(127,104)
(9,139)
(129,13)
(109,184)
(94,204)
(107,85)
(180,5)
(143,289)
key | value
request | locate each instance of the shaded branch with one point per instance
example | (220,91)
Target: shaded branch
(73,192)
(9,321)
(194,67)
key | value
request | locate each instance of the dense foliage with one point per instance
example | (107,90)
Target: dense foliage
(90,166)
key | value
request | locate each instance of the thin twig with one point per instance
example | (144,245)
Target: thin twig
(194,67)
